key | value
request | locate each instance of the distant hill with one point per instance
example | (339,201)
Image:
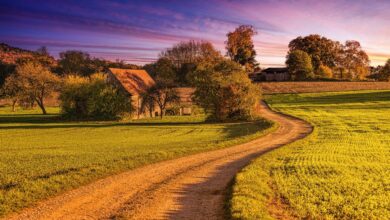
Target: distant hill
(10,55)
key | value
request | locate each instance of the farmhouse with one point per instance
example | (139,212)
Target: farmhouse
(271,74)
(136,82)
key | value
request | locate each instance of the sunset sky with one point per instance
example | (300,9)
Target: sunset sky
(136,31)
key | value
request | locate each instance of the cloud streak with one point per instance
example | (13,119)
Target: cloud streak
(138,30)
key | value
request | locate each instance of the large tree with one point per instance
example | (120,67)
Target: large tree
(322,51)
(355,60)
(75,62)
(224,90)
(240,47)
(35,82)
(183,58)
(299,65)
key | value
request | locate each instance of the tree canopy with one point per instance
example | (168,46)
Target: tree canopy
(240,47)
(299,65)
(181,60)
(224,90)
(32,82)
(320,49)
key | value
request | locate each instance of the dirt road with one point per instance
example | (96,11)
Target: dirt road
(192,187)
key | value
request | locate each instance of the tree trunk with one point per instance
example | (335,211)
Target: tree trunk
(13,105)
(40,104)
(161,112)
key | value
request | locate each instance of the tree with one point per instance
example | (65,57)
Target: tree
(43,51)
(162,95)
(165,71)
(324,72)
(224,90)
(185,56)
(240,47)
(12,89)
(299,65)
(321,50)
(384,74)
(36,82)
(75,62)
(355,60)
(6,70)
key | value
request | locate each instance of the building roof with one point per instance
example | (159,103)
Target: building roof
(275,70)
(133,81)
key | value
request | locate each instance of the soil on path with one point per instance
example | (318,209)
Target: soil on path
(192,187)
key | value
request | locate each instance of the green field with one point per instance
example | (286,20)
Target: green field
(43,155)
(341,171)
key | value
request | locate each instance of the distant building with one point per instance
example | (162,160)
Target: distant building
(271,74)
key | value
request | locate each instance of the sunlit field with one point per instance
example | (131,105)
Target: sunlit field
(43,155)
(341,171)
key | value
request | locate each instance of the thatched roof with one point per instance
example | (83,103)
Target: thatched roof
(135,82)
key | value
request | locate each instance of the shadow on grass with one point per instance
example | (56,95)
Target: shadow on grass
(360,97)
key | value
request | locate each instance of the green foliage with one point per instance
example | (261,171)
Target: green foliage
(299,65)
(93,97)
(240,47)
(165,71)
(42,156)
(75,62)
(341,171)
(224,90)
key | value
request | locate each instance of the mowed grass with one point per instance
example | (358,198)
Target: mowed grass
(340,171)
(41,156)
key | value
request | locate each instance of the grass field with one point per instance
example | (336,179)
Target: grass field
(310,87)
(341,171)
(41,155)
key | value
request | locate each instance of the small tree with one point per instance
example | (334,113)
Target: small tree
(299,65)
(162,95)
(12,89)
(35,82)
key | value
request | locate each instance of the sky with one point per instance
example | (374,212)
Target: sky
(137,31)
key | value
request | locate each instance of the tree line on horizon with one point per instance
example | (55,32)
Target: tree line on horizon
(222,85)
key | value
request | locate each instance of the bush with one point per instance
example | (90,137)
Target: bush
(92,97)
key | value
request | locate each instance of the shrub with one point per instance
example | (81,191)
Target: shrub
(93,97)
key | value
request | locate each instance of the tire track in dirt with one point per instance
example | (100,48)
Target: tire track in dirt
(191,187)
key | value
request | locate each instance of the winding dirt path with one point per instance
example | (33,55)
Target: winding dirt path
(192,187)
